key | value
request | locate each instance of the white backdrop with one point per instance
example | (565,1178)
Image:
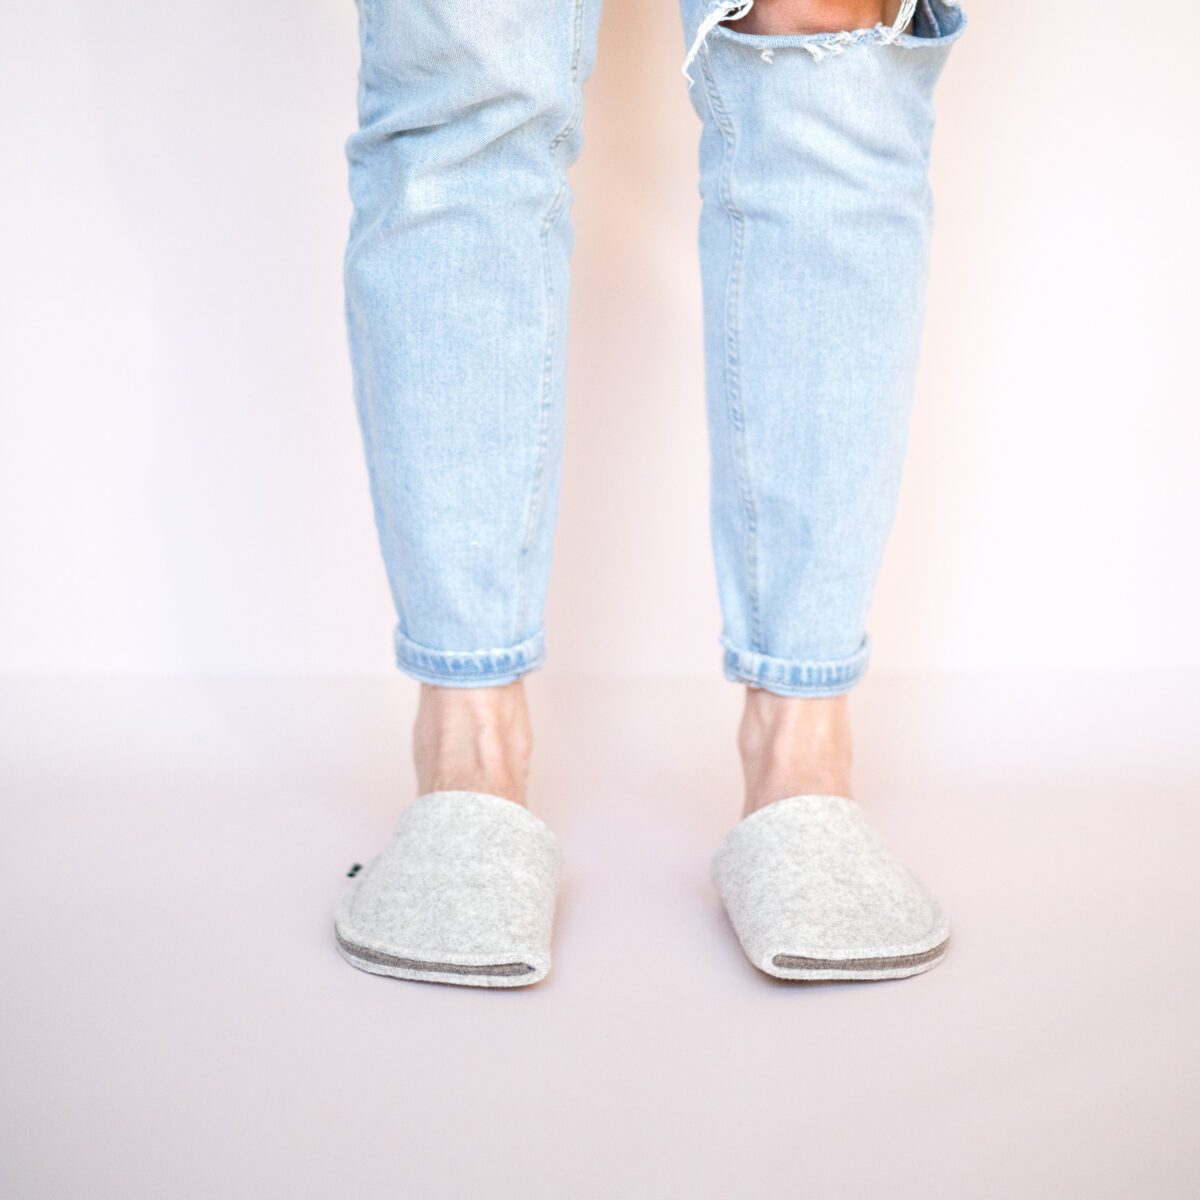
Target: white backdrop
(181,487)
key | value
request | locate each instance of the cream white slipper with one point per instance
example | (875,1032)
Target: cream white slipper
(813,894)
(464,893)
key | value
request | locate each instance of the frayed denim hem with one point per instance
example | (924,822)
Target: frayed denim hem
(470,668)
(788,677)
(919,23)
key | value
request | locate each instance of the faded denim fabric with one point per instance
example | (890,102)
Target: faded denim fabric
(813,240)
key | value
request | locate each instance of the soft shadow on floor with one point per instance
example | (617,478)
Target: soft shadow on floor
(174,849)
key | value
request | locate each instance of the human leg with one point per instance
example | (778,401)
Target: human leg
(814,235)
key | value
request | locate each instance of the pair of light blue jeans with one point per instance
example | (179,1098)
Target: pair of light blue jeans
(813,238)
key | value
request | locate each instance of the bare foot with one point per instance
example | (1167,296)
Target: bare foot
(792,746)
(473,739)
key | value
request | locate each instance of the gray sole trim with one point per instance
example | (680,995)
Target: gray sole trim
(795,962)
(433,968)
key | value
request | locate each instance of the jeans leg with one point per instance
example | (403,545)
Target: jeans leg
(456,279)
(813,237)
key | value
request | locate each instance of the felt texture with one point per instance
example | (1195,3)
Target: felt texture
(813,894)
(464,893)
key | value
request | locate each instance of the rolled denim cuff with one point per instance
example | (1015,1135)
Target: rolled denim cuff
(795,677)
(470,668)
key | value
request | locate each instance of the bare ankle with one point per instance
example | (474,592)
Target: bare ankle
(792,746)
(473,739)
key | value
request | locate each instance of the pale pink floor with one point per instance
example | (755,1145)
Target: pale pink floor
(177,1024)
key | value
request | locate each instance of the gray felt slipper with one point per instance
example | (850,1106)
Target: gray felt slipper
(464,893)
(813,894)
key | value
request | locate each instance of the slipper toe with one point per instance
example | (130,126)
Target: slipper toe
(464,894)
(812,893)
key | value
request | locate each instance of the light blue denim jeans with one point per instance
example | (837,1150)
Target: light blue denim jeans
(813,239)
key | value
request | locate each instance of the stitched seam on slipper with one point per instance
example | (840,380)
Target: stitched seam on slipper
(416,964)
(794,962)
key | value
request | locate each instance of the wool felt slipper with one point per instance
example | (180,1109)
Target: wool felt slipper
(464,893)
(813,894)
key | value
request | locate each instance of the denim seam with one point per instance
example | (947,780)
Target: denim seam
(367,36)
(551,335)
(733,344)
